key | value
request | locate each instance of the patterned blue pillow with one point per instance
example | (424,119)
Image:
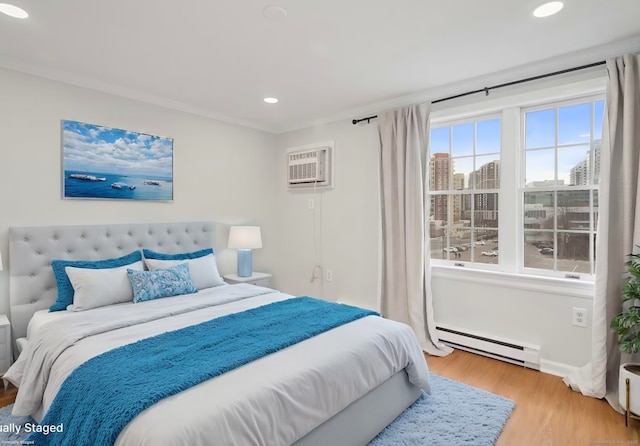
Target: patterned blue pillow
(149,254)
(65,289)
(149,285)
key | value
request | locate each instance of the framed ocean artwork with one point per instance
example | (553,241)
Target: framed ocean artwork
(112,164)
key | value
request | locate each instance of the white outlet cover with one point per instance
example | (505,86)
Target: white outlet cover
(579,317)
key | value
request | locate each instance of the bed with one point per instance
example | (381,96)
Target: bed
(340,387)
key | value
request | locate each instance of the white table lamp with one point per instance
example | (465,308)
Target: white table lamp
(244,239)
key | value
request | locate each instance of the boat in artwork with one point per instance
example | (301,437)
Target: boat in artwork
(82,176)
(122,186)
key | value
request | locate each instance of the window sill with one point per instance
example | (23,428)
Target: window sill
(550,285)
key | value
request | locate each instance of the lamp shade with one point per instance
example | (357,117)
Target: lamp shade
(245,237)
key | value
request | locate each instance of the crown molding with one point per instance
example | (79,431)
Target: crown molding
(76,80)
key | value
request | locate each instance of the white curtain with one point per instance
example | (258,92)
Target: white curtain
(406,276)
(618,226)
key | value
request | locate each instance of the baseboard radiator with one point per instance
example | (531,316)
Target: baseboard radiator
(526,355)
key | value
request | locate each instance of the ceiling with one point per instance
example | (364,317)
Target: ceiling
(324,60)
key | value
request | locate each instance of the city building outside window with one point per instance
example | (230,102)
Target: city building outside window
(464,182)
(562,168)
(554,169)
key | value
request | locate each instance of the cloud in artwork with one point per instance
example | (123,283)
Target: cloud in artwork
(95,149)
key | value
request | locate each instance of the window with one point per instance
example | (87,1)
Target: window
(562,169)
(464,180)
(513,187)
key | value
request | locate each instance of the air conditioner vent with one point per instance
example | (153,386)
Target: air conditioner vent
(309,168)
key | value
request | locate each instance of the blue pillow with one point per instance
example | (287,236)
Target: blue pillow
(149,285)
(65,289)
(149,254)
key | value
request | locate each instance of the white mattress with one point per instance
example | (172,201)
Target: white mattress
(274,400)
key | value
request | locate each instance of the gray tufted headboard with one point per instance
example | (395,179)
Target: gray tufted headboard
(32,285)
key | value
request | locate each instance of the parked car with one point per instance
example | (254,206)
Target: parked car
(490,253)
(450,249)
(546,251)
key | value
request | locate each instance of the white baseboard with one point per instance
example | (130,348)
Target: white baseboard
(556,368)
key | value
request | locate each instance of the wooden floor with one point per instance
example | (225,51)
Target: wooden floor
(547,412)
(7,396)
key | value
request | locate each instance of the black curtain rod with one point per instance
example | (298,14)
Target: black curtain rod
(506,84)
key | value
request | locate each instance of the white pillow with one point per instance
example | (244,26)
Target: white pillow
(203,270)
(94,288)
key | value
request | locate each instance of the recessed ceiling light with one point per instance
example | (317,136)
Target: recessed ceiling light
(13,11)
(271,100)
(548,9)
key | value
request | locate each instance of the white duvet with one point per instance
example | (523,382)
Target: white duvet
(275,400)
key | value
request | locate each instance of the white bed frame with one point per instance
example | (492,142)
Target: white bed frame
(32,287)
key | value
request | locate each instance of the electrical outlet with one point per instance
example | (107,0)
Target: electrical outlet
(329,275)
(311,204)
(579,317)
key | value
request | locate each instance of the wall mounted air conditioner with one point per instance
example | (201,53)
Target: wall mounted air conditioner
(309,167)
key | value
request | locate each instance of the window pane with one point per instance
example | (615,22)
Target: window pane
(458,181)
(540,165)
(462,170)
(573,210)
(450,231)
(439,171)
(462,139)
(596,211)
(538,250)
(540,129)
(461,208)
(485,210)
(439,209)
(438,239)
(574,166)
(461,244)
(472,163)
(488,136)
(466,204)
(598,117)
(485,246)
(439,140)
(487,173)
(438,227)
(574,124)
(595,156)
(573,252)
(539,210)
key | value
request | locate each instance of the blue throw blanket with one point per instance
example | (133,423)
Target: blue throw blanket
(100,397)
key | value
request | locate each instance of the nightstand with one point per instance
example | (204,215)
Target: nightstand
(5,344)
(260,279)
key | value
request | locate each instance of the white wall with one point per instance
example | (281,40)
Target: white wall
(222,172)
(347,219)
(350,232)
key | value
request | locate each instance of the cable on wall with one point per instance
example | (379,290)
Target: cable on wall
(317,271)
